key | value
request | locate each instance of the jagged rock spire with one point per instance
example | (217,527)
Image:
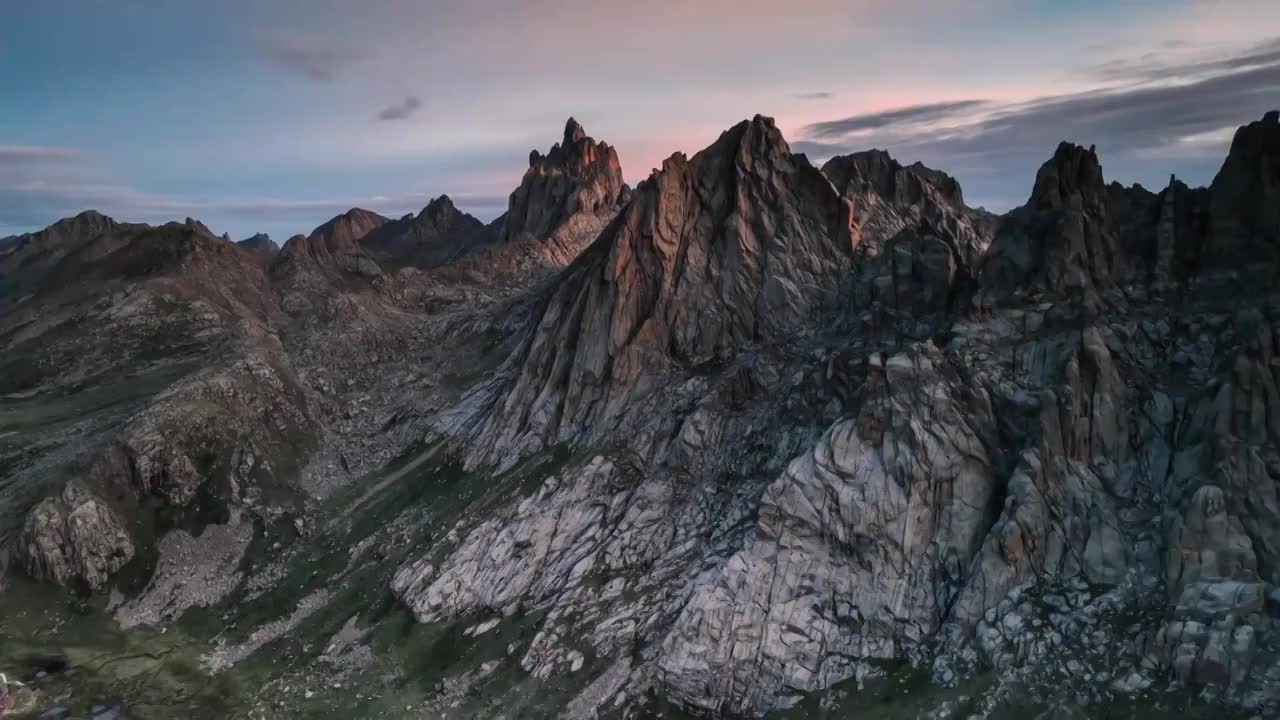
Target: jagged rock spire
(684,275)
(577,176)
(573,132)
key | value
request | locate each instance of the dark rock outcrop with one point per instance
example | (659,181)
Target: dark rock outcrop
(1061,241)
(75,540)
(262,245)
(918,243)
(440,234)
(1079,236)
(1244,204)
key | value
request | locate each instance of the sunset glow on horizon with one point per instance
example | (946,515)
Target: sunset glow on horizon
(275,116)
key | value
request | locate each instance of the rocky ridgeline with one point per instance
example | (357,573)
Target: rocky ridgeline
(565,198)
(156,344)
(826,424)
(243,371)
(809,424)
(440,234)
(741,243)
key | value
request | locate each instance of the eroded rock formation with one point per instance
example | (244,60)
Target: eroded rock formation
(739,244)
(566,196)
(1005,450)
(774,429)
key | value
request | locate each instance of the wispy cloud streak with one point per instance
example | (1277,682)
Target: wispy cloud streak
(311,56)
(912,114)
(1162,117)
(401,110)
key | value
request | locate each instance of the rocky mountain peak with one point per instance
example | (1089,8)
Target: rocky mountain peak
(351,225)
(27,259)
(1072,175)
(578,176)
(916,238)
(436,235)
(262,245)
(744,242)
(347,228)
(196,226)
(1065,240)
(573,133)
(89,217)
(83,224)
(258,240)
(875,171)
(334,247)
(440,208)
(1245,202)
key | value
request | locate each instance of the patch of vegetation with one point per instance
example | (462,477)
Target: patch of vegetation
(391,517)
(900,693)
(68,654)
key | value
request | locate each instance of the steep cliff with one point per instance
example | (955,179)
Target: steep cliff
(822,427)
(738,245)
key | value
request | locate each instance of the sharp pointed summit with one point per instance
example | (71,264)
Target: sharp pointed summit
(440,233)
(566,196)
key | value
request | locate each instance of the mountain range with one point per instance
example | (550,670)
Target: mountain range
(753,438)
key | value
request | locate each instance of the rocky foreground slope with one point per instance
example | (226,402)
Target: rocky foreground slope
(767,440)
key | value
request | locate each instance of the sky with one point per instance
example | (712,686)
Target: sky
(275,115)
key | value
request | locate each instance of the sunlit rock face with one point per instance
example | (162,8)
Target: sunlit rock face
(742,243)
(565,195)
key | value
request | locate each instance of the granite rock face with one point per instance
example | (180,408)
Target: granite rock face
(566,196)
(764,432)
(859,549)
(739,244)
(75,540)
(918,244)
(1003,447)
